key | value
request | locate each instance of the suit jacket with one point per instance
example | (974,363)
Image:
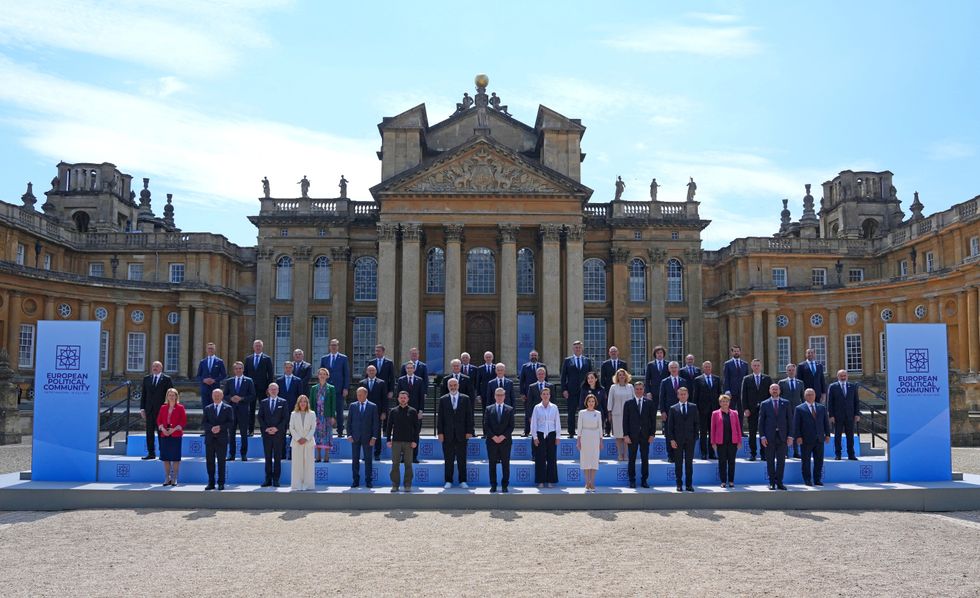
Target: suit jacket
(379,394)
(813,430)
(732,377)
(363,427)
(216,371)
(776,425)
(480,377)
(572,377)
(607,371)
(300,429)
(793,395)
(705,396)
(718,427)
(274,414)
(750,395)
(154,395)
(840,406)
(654,376)
(681,427)
(465,385)
(296,388)
(455,424)
(339,372)
(386,371)
(668,396)
(529,375)
(690,372)
(263,375)
(246,390)
(416,392)
(815,380)
(491,388)
(304,371)
(470,370)
(497,426)
(211,418)
(421,370)
(534,393)
(639,423)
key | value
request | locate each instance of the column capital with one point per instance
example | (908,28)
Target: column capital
(264,254)
(619,255)
(412,232)
(550,233)
(454,233)
(574,232)
(340,254)
(656,255)
(693,255)
(387,231)
(507,233)
(302,253)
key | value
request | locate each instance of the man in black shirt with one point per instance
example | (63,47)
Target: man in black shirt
(402,427)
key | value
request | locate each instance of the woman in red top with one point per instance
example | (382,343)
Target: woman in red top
(171,422)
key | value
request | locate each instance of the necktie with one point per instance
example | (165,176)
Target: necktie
(775,407)
(757,381)
(210,363)
(540,386)
(238,385)
(813,368)
(362,408)
(500,412)
(844,388)
(792,384)
(675,384)
(709,380)
(217,408)
(411,379)
(615,364)
(255,361)
(684,409)
(288,380)
(156,380)
(370,384)
(454,401)
(332,357)
(813,412)
(379,364)
(578,362)
(500,383)
(488,368)
(690,370)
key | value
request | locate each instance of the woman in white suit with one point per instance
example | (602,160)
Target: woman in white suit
(302,428)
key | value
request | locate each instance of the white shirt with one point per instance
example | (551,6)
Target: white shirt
(545,420)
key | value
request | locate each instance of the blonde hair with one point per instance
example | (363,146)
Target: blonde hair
(616,376)
(725,396)
(299,399)
(176,394)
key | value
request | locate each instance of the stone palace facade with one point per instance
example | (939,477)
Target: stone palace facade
(481,236)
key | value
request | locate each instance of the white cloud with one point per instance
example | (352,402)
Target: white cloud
(163,87)
(950,150)
(686,39)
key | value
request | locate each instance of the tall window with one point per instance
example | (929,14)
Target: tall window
(47,261)
(366,279)
(974,246)
(779,277)
(135,271)
(104,350)
(930,261)
(638,280)
(136,352)
(21,253)
(675,280)
(284,278)
(321,278)
(481,272)
(783,354)
(525,271)
(96,269)
(638,344)
(594,280)
(852,352)
(819,346)
(284,342)
(435,271)
(365,337)
(171,352)
(903,268)
(855,275)
(818,277)
(176,273)
(882,349)
(25,346)
(321,337)
(675,339)
(595,339)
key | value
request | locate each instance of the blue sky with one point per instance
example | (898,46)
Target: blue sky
(752,99)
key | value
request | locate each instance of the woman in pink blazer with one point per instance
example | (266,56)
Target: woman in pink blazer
(726,437)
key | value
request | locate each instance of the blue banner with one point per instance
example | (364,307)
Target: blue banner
(434,341)
(525,337)
(66,402)
(918,403)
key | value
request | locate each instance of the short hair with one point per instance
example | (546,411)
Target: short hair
(220,392)
(629,378)
(757,360)
(500,390)
(323,370)
(546,389)
(725,397)
(287,363)
(380,346)
(593,397)
(809,391)
(661,349)
(402,392)
(455,361)
(638,384)
(577,343)
(409,363)
(540,369)
(684,388)
(371,366)
(674,364)
(733,347)
(706,362)
(790,365)
(361,389)
(237,364)
(210,345)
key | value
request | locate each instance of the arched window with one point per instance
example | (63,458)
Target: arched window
(284,278)
(675,280)
(869,228)
(366,279)
(525,271)
(435,271)
(81,221)
(594,279)
(481,272)
(638,280)
(321,278)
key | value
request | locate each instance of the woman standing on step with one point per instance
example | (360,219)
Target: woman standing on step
(546,433)
(726,436)
(302,430)
(619,392)
(589,439)
(325,395)
(171,421)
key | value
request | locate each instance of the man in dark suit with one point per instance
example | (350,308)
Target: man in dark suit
(273,422)
(791,388)
(534,397)
(639,426)
(573,371)
(776,428)
(216,421)
(707,389)
(754,390)
(656,372)
(500,381)
(607,373)
(455,428)
(682,434)
(734,371)
(290,387)
(482,375)
(468,368)
(386,371)
(416,388)
(669,396)
(421,370)
(456,372)
(152,397)
(498,426)
(811,373)
(302,369)
(378,394)
(689,370)
(528,374)
(240,393)
(811,425)
(210,372)
(842,405)
(258,367)
(363,431)
(339,367)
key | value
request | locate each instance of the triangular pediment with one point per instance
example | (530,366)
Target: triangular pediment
(481,166)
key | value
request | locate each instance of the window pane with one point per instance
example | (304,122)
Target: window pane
(176,273)
(595,339)
(135,272)
(819,346)
(779,277)
(365,337)
(855,275)
(284,340)
(321,337)
(852,352)
(594,279)
(783,354)
(638,280)
(525,272)
(481,272)
(818,277)
(675,339)
(435,271)
(638,344)
(25,342)
(136,352)
(366,280)
(171,352)
(284,278)
(675,280)
(104,350)
(96,269)
(321,278)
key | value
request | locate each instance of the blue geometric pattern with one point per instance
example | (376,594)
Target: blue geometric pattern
(68,357)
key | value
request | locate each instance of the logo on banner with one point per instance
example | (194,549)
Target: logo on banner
(566,449)
(322,474)
(520,450)
(659,449)
(66,377)
(671,474)
(573,474)
(422,474)
(919,382)
(917,361)
(68,357)
(426,449)
(473,449)
(195,447)
(122,470)
(524,474)
(866,471)
(374,473)
(472,475)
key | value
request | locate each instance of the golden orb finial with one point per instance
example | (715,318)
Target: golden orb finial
(481,80)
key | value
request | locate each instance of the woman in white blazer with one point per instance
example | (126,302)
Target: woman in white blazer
(302,428)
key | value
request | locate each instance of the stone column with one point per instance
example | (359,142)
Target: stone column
(758,348)
(119,350)
(454,290)
(153,349)
(801,333)
(233,350)
(387,254)
(722,345)
(963,335)
(550,297)
(49,308)
(185,338)
(410,310)
(695,307)
(263,295)
(203,269)
(340,266)
(869,344)
(574,283)
(973,342)
(741,335)
(222,341)
(198,345)
(658,297)
(9,414)
(84,311)
(771,350)
(733,338)
(834,360)
(619,300)
(935,313)
(508,296)
(301,298)
(15,309)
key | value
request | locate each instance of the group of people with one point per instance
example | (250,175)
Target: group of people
(692,405)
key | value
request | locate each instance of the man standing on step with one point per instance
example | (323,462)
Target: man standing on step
(258,367)
(402,427)
(498,426)
(363,432)
(754,391)
(812,426)
(217,421)
(416,388)
(240,391)
(378,394)
(639,427)
(454,428)
(210,373)
(153,394)
(273,421)
(842,404)
(573,371)
(776,429)
(682,434)
(339,367)
(791,388)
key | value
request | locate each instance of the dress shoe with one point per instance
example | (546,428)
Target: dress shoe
(231,457)
(852,458)
(221,486)
(355,485)
(772,486)
(244,458)
(275,484)
(752,458)
(209,487)
(644,485)
(504,489)
(368,485)
(632,484)
(731,484)
(818,483)
(149,457)
(493,488)
(408,489)
(723,485)
(837,458)
(680,489)
(394,489)
(781,487)
(266,484)
(690,488)
(415,460)
(808,483)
